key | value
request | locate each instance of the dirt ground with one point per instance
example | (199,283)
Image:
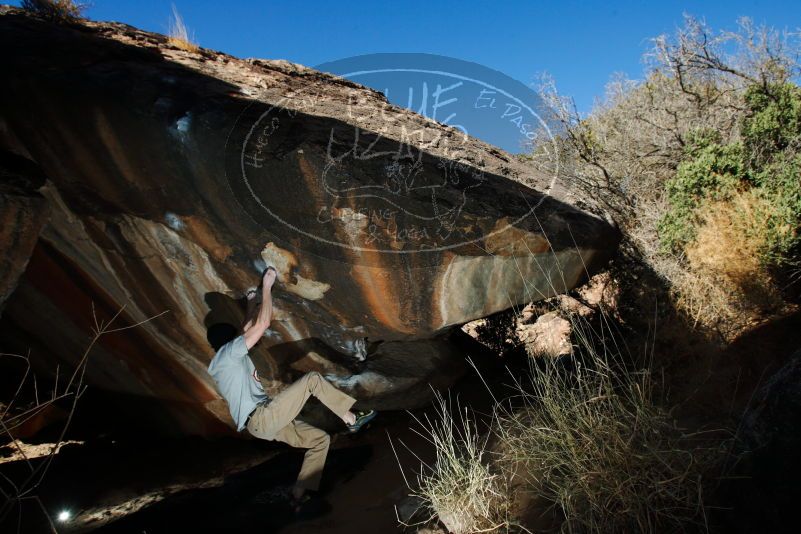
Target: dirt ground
(361,487)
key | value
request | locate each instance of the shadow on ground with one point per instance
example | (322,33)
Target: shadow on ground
(247,501)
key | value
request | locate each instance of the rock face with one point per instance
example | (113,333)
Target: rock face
(547,336)
(770,466)
(172,178)
(22,215)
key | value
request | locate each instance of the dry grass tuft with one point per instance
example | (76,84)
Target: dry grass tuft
(728,247)
(179,34)
(461,488)
(719,284)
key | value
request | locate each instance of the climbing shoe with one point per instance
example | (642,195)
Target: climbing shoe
(362,418)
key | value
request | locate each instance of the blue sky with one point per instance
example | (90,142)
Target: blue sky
(579,43)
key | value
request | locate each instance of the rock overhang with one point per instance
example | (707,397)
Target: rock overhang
(143,148)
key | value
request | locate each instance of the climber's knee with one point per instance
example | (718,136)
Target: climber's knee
(313,379)
(322,442)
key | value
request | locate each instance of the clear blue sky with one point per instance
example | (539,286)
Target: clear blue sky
(579,43)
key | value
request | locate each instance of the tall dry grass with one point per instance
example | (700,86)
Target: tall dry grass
(581,436)
(590,439)
(461,487)
(728,248)
(179,36)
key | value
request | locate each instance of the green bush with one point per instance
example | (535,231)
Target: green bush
(711,172)
(773,122)
(781,190)
(766,163)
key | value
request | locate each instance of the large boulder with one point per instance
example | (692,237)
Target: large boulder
(174,177)
(22,215)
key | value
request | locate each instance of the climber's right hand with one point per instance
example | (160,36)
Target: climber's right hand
(268,278)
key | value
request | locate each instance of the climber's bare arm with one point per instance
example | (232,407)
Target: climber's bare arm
(252,309)
(254,329)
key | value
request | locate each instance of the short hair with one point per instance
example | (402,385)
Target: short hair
(221,333)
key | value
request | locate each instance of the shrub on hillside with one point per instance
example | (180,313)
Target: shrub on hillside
(57,10)
(714,125)
(712,172)
(773,121)
(764,166)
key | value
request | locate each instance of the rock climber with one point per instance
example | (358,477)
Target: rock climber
(275,418)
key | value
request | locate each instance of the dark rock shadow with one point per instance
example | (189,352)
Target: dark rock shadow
(247,501)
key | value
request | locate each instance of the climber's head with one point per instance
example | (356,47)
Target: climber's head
(221,333)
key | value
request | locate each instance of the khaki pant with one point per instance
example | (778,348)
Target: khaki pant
(276,421)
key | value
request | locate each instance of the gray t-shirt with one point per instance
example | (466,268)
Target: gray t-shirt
(236,379)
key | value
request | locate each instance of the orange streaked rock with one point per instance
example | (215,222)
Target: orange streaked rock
(166,192)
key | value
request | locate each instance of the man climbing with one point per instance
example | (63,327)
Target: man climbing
(274,418)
